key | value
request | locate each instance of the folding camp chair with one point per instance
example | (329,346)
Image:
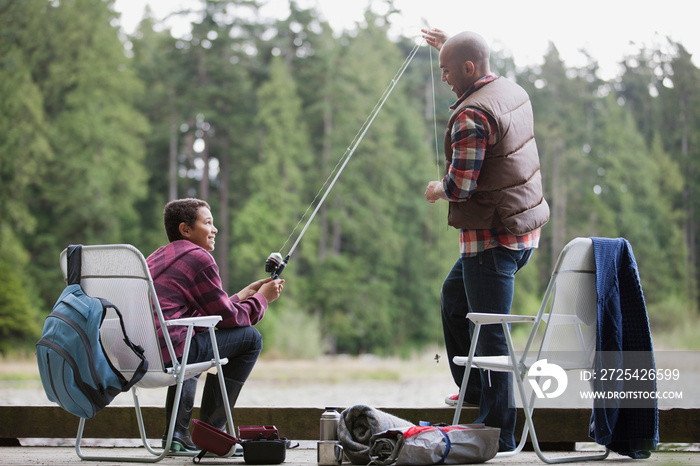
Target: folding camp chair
(564,327)
(119,273)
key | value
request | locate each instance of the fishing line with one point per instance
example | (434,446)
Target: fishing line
(432,82)
(437,165)
(275,264)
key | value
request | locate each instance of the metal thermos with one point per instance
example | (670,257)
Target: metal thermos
(329,424)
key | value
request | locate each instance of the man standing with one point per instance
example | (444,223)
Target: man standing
(494,189)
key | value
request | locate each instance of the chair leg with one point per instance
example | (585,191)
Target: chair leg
(467,371)
(156,455)
(526,429)
(528,408)
(181,440)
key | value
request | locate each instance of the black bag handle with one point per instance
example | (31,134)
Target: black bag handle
(74,258)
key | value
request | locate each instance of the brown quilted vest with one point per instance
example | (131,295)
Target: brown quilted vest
(509,187)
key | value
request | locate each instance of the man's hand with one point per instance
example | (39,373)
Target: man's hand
(434,191)
(272,289)
(435,37)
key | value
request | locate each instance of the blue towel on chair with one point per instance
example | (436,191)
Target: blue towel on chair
(623,332)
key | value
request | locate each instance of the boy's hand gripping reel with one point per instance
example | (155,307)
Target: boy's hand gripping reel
(275,264)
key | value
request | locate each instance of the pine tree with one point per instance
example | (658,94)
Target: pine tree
(680,103)
(96,135)
(277,179)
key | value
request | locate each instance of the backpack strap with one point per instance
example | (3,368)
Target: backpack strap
(74,263)
(137,349)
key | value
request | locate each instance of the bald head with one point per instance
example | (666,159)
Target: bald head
(464,59)
(470,46)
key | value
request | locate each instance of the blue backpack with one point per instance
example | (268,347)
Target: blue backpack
(75,371)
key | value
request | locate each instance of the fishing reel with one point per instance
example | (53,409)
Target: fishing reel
(275,264)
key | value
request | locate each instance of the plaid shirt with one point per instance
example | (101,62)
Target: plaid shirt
(188,284)
(472,134)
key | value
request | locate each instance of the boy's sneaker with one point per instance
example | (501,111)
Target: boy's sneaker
(453,399)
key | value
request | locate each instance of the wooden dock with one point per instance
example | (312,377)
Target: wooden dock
(556,428)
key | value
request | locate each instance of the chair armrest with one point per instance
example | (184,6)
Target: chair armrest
(203,321)
(488,318)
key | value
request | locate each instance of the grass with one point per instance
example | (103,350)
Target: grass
(681,337)
(18,368)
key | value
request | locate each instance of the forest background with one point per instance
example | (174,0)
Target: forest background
(98,130)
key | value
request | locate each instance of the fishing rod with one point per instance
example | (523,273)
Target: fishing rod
(275,263)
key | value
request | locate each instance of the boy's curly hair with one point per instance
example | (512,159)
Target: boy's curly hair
(179,211)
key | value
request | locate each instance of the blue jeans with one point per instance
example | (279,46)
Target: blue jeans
(483,283)
(241,345)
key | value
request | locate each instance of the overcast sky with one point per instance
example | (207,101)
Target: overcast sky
(607,29)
